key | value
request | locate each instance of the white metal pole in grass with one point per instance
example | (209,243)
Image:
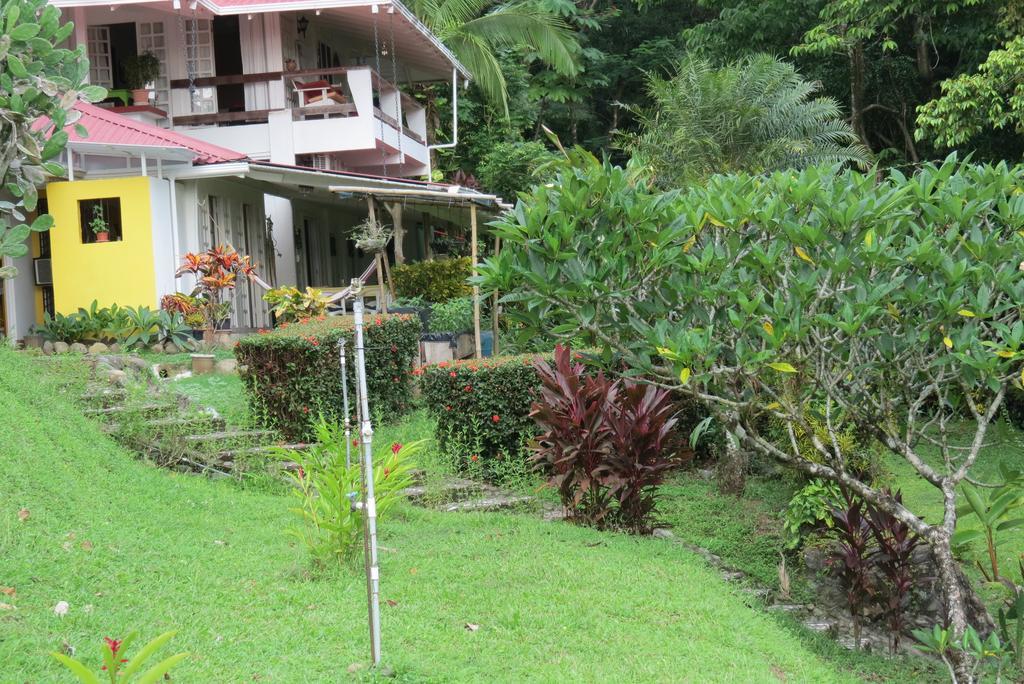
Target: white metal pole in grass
(344,404)
(369,500)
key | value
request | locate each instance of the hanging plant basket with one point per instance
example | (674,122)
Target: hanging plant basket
(371,236)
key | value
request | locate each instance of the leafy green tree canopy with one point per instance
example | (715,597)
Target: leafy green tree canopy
(757,114)
(895,301)
(992,98)
(37,79)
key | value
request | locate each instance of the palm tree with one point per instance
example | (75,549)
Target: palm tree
(475,30)
(757,115)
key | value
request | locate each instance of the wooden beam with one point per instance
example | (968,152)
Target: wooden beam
(232,79)
(476,288)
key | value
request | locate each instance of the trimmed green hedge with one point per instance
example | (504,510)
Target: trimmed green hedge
(435,281)
(482,409)
(292,374)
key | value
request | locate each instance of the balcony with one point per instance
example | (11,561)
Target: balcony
(340,118)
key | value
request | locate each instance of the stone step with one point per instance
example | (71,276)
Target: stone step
(103,394)
(122,408)
(233,454)
(227,435)
(451,490)
(494,503)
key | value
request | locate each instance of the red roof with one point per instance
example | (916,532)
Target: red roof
(106,127)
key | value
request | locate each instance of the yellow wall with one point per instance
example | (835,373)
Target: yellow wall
(119,272)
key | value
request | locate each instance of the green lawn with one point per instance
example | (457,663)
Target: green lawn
(221,392)
(133,547)
(1003,443)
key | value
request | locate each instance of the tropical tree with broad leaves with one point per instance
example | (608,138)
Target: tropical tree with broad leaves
(477,30)
(890,305)
(38,81)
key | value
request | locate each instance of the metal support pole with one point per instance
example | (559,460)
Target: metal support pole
(369,500)
(344,404)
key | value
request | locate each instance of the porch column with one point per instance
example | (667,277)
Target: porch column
(476,288)
(396,219)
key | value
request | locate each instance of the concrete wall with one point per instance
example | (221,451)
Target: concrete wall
(120,272)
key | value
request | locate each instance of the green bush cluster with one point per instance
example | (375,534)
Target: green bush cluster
(127,325)
(292,375)
(455,315)
(434,281)
(482,410)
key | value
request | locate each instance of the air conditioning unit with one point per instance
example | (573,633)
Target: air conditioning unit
(44,271)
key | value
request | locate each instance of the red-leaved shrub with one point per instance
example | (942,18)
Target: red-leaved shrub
(605,443)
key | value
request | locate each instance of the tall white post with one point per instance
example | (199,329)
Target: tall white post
(369,500)
(344,404)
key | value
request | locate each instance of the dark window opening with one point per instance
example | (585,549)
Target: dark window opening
(42,207)
(123,44)
(96,214)
(48,307)
(44,245)
(227,55)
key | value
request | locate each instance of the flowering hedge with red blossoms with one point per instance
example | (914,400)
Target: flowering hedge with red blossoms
(292,374)
(482,408)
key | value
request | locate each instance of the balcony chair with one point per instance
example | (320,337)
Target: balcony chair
(319,92)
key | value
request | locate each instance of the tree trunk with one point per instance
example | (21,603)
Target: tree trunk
(924,62)
(396,220)
(956,614)
(732,467)
(857,88)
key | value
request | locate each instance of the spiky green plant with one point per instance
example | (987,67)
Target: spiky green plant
(756,115)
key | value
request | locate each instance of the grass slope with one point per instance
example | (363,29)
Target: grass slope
(133,547)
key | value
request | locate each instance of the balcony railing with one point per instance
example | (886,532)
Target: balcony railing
(317,94)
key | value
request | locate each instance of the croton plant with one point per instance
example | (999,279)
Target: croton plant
(216,271)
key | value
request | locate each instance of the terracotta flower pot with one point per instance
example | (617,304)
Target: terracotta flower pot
(103,237)
(140,96)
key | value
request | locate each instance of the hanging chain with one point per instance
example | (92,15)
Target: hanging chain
(394,81)
(376,55)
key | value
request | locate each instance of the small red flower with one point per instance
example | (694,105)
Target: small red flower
(443,364)
(262,331)
(302,473)
(113,644)
(304,320)
(305,409)
(474,457)
(495,417)
(355,442)
(394,348)
(378,320)
(387,471)
(452,373)
(321,317)
(468,388)
(448,408)
(396,447)
(283,326)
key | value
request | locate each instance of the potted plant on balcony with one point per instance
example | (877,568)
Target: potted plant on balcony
(140,70)
(216,271)
(98,225)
